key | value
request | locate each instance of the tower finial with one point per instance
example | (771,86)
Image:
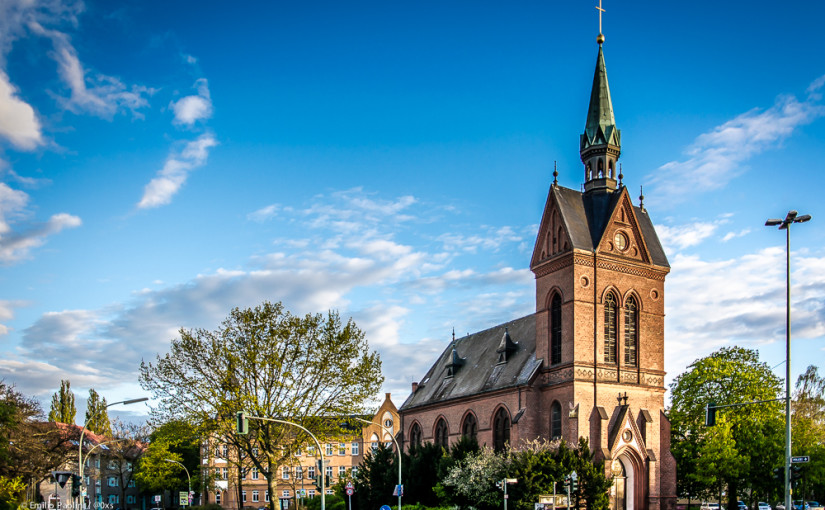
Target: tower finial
(600,38)
(641,198)
(555,173)
(621,175)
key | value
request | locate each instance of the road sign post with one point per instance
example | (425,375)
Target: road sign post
(801,459)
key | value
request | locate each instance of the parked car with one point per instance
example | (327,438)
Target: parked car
(709,506)
(741,505)
(779,506)
(798,505)
(763,506)
(814,505)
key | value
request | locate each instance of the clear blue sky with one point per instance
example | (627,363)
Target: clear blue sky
(162,162)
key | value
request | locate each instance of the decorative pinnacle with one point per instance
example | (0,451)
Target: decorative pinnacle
(621,175)
(555,173)
(641,198)
(600,39)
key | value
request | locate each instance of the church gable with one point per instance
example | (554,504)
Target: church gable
(625,434)
(622,235)
(552,238)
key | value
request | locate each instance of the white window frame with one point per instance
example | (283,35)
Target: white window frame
(285,473)
(342,448)
(114,499)
(218,497)
(329,449)
(255,473)
(356,447)
(254,496)
(328,472)
(243,496)
(112,481)
(285,493)
(299,472)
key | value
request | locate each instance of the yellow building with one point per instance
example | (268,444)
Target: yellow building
(341,455)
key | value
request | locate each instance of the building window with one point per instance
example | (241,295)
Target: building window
(555,421)
(254,496)
(342,471)
(555,330)
(328,472)
(415,434)
(112,481)
(631,332)
(442,433)
(243,496)
(355,448)
(255,473)
(97,462)
(218,497)
(501,429)
(131,483)
(255,452)
(224,473)
(285,473)
(130,499)
(311,493)
(285,493)
(610,328)
(311,472)
(330,491)
(342,448)
(225,451)
(266,496)
(311,451)
(112,464)
(374,442)
(298,452)
(114,499)
(329,450)
(353,471)
(470,426)
(243,472)
(299,472)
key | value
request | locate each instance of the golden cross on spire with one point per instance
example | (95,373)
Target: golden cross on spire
(599,8)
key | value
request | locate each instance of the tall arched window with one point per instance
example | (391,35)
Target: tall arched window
(501,429)
(631,332)
(555,330)
(555,420)
(610,328)
(415,434)
(470,426)
(442,433)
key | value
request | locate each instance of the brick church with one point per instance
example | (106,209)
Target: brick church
(590,361)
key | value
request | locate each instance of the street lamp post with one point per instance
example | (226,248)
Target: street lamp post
(243,416)
(791,218)
(83,431)
(189,494)
(397,449)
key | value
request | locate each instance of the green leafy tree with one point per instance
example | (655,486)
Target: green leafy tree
(809,432)
(11,492)
(474,478)
(178,441)
(268,363)
(375,479)
(97,416)
(741,453)
(63,409)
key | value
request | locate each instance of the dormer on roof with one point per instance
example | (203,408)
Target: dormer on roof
(506,347)
(456,361)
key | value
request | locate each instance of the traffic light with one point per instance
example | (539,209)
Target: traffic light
(75,485)
(574,481)
(796,473)
(242,426)
(500,485)
(710,414)
(318,482)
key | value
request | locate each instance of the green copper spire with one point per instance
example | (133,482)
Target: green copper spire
(601,125)
(600,144)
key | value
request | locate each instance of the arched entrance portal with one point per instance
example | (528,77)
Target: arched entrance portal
(622,496)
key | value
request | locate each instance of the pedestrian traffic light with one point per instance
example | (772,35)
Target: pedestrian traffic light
(75,485)
(710,414)
(242,426)
(319,482)
(574,481)
(796,473)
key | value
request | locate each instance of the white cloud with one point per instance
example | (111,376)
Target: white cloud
(160,190)
(715,157)
(733,235)
(191,109)
(18,122)
(264,213)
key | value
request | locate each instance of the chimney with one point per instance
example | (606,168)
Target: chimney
(414,387)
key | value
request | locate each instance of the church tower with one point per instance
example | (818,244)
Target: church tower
(600,272)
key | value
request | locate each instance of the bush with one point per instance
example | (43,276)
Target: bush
(208,506)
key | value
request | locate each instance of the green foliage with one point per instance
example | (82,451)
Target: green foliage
(746,444)
(63,409)
(375,479)
(208,506)
(268,363)
(473,479)
(422,468)
(97,417)
(11,492)
(333,502)
(809,432)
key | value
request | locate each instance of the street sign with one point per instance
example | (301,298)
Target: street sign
(156,499)
(803,458)
(349,485)
(349,491)
(385,507)
(183,498)
(511,480)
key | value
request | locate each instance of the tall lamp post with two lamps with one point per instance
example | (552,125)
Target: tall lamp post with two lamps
(791,218)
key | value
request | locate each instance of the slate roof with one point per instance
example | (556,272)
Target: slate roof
(480,373)
(601,124)
(586,215)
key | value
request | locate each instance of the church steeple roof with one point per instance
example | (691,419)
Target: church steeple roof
(600,144)
(601,124)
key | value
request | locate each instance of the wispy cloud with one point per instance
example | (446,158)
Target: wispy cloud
(716,157)
(191,109)
(160,190)
(18,122)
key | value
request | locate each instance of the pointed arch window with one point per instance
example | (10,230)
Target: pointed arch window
(631,332)
(442,433)
(610,328)
(415,434)
(470,426)
(555,330)
(555,421)
(501,429)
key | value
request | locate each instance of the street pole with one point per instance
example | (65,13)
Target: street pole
(785,224)
(397,449)
(317,444)
(83,431)
(189,494)
(505,493)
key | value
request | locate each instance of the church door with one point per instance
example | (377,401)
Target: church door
(618,493)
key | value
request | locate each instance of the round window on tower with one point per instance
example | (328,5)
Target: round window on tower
(620,240)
